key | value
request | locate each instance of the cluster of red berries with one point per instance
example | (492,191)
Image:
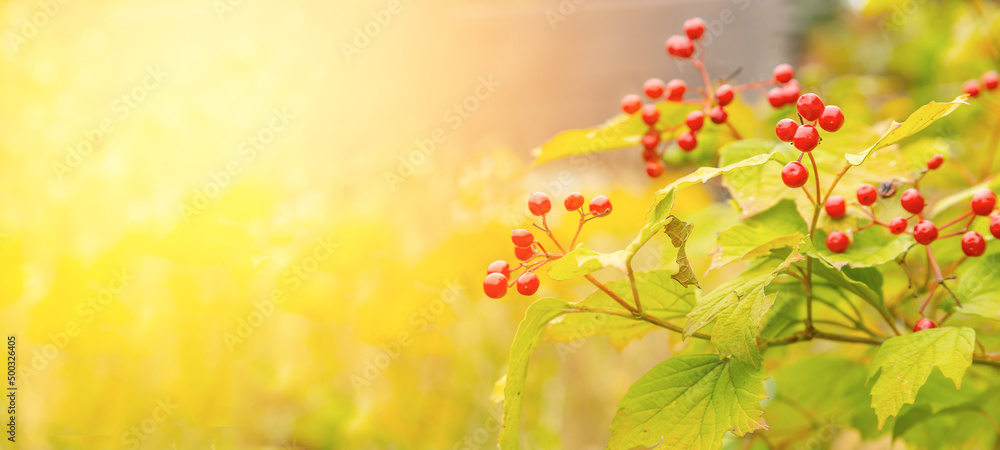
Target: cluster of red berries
(684,47)
(532,253)
(804,136)
(989,80)
(787,91)
(924,231)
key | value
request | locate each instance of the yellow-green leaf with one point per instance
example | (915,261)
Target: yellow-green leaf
(869,247)
(920,119)
(529,332)
(905,362)
(738,306)
(780,226)
(620,132)
(690,402)
(979,288)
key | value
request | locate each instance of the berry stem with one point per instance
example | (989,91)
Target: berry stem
(836,179)
(957,220)
(819,194)
(545,227)
(698,64)
(611,294)
(811,199)
(651,319)
(583,220)
(591,279)
(736,134)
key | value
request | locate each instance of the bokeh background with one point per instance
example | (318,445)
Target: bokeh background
(264,224)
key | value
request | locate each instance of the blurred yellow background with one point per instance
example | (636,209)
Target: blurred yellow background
(223,225)
(262,224)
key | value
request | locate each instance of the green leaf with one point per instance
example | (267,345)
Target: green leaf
(529,332)
(866,283)
(690,402)
(830,386)
(620,132)
(869,247)
(665,197)
(737,308)
(757,188)
(584,261)
(906,361)
(661,297)
(979,288)
(781,226)
(920,119)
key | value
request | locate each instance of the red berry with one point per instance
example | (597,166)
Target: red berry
(522,237)
(925,232)
(924,324)
(867,195)
(995,226)
(573,201)
(971,87)
(836,207)
(724,94)
(600,205)
(794,175)
(653,88)
(527,283)
(539,204)
(654,169)
(631,103)
(810,107)
(718,115)
(990,80)
(651,139)
(935,162)
(806,138)
(792,91)
(650,114)
(694,27)
(495,285)
(776,97)
(973,244)
(897,225)
(687,141)
(832,118)
(837,242)
(524,253)
(695,120)
(786,129)
(499,266)
(912,201)
(650,154)
(680,46)
(675,90)
(983,202)
(783,73)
